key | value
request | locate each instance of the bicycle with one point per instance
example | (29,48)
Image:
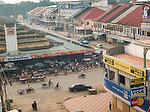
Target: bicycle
(59,88)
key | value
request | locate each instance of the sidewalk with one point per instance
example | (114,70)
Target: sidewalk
(89,103)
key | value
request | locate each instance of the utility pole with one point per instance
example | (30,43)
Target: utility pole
(98,33)
(85,26)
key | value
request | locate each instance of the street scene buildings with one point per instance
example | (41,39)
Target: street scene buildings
(125,27)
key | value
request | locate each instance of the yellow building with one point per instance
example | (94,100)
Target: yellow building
(14,37)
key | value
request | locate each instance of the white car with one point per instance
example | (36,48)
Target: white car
(68,35)
(99,45)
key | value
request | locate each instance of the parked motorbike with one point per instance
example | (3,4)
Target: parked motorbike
(81,76)
(45,85)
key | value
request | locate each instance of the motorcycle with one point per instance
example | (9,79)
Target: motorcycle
(22,91)
(81,76)
(30,90)
(46,85)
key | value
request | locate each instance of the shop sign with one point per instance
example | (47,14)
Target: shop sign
(140,91)
(137,101)
(136,82)
(138,72)
(10,31)
(28,56)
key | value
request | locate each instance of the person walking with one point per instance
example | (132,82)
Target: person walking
(5,80)
(34,105)
(110,106)
(56,72)
(10,82)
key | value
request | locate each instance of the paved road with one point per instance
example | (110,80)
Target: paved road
(62,35)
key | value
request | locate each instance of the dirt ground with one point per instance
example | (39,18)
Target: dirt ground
(50,101)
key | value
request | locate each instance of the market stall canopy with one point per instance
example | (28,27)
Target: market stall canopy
(39,64)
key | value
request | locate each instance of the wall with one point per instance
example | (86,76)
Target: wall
(125,107)
(136,51)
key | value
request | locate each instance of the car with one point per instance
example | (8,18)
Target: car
(79,87)
(52,27)
(68,35)
(99,45)
(83,41)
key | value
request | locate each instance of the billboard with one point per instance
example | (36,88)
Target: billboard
(133,70)
(146,11)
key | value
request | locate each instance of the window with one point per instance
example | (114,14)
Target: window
(122,79)
(143,33)
(112,75)
(103,26)
(87,23)
(131,30)
(139,31)
(148,33)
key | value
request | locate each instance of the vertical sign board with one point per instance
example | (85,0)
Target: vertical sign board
(133,70)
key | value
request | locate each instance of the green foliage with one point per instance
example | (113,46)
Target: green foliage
(20,8)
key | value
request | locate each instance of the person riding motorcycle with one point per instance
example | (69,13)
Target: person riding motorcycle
(50,82)
(29,88)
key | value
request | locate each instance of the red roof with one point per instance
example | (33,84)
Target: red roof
(35,10)
(115,12)
(134,18)
(95,12)
(98,17)
(43,11)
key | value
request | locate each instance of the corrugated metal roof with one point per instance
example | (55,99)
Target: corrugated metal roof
(43,10)
(35,10)
(115,12)
(108,13)
(95,12)
(82,12)
(132,17)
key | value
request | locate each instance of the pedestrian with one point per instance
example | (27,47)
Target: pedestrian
(34,105)
(56,72)
(10,82)
(5,81)
(110,106)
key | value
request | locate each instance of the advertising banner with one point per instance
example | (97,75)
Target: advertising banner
(146,11)
(137,101)
(139,91)
(136,82)
(126,94)
(133,70)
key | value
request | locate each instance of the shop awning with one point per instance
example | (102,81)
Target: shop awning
(121,39)
(98,33)
(82,28)
(113,36)
(128,40)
